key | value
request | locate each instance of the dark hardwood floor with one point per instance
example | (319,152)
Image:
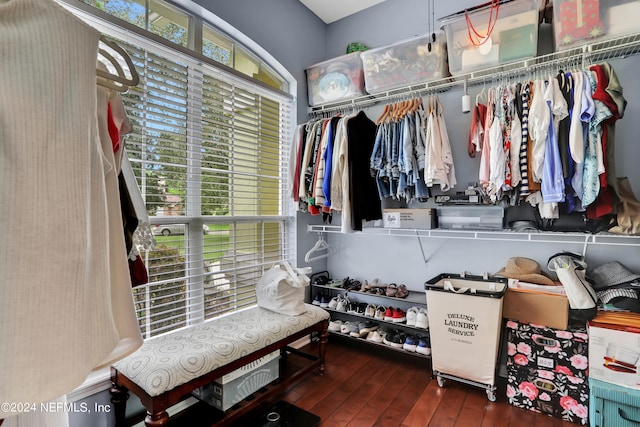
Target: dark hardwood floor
(364,386)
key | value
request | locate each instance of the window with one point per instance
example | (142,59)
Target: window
(216,46)
(209,150)
(160,17)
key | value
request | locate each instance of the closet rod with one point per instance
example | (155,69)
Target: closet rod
(596,52)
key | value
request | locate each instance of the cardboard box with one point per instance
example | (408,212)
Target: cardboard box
(229,390)
(614,354)
(540,309)
(423,219)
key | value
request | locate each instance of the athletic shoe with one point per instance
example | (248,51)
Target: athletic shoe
(412,313)
(422,320)
(398,316)
(410,343)
(353,308)
(397,340)
(383,331)
(354,330)
(343,304)
(389,335)
(362,329)
(335,325)
(316,299)
(380,310)
(402,291)
(366,327)
(324,301)
(374,336)
(345,328)
(424,346)
(370,311)
(388,314)
(361,308)
(333,304)
(391,290)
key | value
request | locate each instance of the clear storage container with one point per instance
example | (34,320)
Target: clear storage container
(579,22)
(405,63)
(514,35)
(470,217)
(337,79)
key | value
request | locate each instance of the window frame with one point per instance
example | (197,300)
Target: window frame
(194,219)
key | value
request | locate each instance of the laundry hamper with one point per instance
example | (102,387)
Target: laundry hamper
(465,318)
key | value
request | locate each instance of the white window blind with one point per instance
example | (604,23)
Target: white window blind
(210,152)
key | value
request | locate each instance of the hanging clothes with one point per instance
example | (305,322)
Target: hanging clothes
(330,164)
(64,317)
(439,168)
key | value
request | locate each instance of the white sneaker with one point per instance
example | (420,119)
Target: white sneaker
(380,310)
(422,320)
(345,328)
(335,326)
(342,304)
(333,304)
(412,314)
(370,311)
(374,336)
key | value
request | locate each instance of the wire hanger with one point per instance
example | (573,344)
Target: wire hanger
(322,248)
(119,81)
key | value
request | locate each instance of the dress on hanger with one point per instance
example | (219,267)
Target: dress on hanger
(57,316)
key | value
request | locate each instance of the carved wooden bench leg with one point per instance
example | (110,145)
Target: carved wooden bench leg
(119,397)
(156,420)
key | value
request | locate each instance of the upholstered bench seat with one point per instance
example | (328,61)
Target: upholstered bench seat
(184,359)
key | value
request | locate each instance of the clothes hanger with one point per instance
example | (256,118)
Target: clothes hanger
(119,82)
(384,114)
(321,247)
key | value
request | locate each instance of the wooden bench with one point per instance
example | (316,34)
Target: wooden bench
(166,369)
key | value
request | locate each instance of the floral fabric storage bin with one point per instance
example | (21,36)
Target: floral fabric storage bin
(547,370)
(337,79)
(405,63)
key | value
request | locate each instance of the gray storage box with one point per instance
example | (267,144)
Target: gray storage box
(470,217)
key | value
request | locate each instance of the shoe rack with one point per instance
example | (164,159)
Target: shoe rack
(356,297)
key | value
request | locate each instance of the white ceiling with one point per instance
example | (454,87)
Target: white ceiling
(333,10)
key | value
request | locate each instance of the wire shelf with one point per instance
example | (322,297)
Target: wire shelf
(581,56)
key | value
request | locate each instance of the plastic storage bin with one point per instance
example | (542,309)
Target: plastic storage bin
(514,36)
(234,387)
(612,405)
(465,318)
(470,217)
(579,22)
(405,63)
(337,79)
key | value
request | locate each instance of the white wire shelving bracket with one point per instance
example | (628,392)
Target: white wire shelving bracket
(582,56)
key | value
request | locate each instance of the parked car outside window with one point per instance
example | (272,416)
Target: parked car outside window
(173,229)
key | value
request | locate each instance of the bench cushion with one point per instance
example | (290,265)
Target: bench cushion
(168,361)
